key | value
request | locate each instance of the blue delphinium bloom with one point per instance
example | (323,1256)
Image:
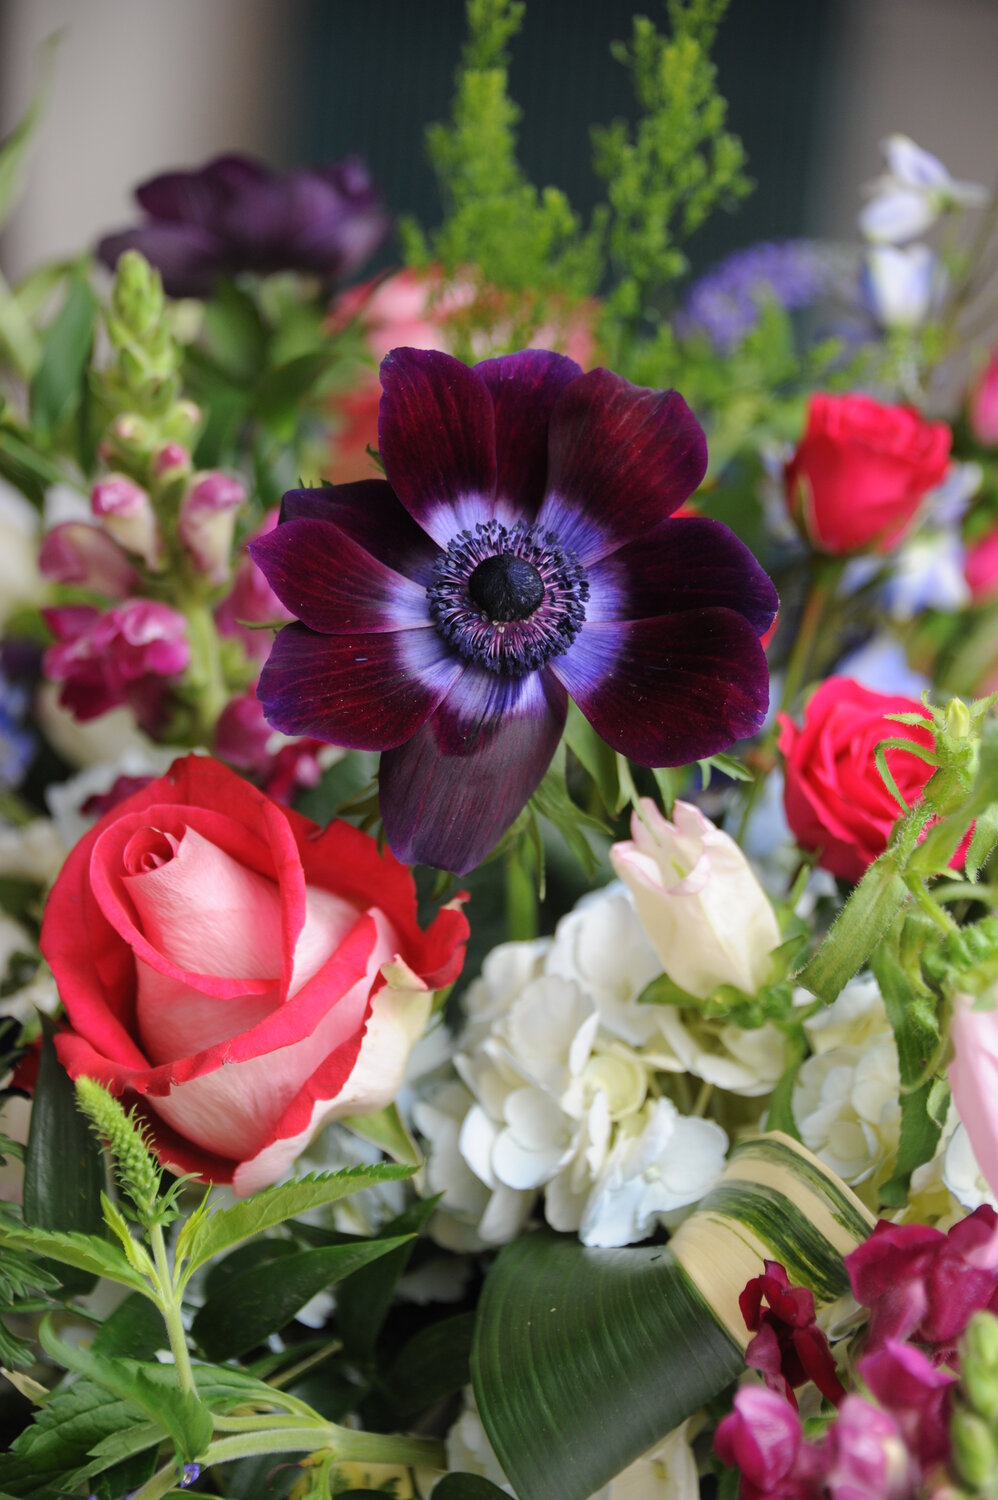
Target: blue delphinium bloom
(17,742)
(725,302)
(519,550)
(234,214)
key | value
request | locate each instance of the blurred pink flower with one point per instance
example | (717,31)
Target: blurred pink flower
(973,1078)
(865,1455)
(917,1395)
(251,598)
(116,657)
(76,552)
(980,566)
(207,522)
(983,405)
(763,1438)
(126,514)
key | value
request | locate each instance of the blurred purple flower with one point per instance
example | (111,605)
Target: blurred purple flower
(725,302)
(520,550)
(17,743)
(234,214)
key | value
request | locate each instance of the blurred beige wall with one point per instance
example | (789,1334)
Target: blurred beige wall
(139,85)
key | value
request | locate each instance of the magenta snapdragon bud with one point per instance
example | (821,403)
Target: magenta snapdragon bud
(208,521)
(125,511)
(119,656)
(918,1395)
(866,1456)
(171,461)
(76,552)
(764,1440)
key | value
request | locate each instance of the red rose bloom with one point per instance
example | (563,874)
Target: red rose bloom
(246,974)
(861,471)
(834,796)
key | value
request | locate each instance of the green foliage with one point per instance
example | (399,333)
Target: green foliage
(677,165)
(497,225)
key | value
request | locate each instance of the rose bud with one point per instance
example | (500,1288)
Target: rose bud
(125,511)
(861,471)
(208,521)
(242,974)
(706,915)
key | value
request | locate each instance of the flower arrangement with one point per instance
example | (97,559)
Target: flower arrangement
(499,799)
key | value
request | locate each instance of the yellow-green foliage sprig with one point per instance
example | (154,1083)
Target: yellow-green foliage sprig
(135,1167)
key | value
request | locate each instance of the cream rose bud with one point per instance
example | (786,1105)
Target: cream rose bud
(706,915)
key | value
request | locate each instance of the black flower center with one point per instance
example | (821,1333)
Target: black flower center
(506,587)
(508,597)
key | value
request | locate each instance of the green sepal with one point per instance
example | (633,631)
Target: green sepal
(868,914)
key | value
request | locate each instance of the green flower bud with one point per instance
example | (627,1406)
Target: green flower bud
(958,723)
(137,1171)
(974,1452)
(979,1364)
(137,300)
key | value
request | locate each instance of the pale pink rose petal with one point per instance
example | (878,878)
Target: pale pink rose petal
(973,1077)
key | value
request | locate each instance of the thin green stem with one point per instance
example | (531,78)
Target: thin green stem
(521,893)
(170,1304)
(347,1446)
(936,913)
(205,675)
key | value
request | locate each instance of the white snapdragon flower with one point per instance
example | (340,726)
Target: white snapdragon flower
(846,1097)
(705,913)
(901,283)
(667,1472)
(660,1163)
(912,194)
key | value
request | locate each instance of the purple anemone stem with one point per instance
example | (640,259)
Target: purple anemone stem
(519,550)
(234,214)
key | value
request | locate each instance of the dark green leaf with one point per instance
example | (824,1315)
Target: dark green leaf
(257,1303)
(151,1388)
(229,1226)
(780,1115)
(583,1359)
(466,1487)
(57,388)
(234,334)
(64,1167)
(432,1365)
(282,390)
(62,1435)
(84,1252)
(135,1330)
(366,1296)
(596,756)
(911,1010)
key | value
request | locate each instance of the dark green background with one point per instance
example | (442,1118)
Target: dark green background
(375,72)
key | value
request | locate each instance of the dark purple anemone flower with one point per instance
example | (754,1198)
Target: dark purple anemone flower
(519,550)
(234,214)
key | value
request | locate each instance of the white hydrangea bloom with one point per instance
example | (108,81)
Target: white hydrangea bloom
(962,1175)
(667,1472)
(662,1162)
(846,1098)
(602,945)
(477,1210)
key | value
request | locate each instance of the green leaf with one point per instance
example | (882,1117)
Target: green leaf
(583,1359)
(61,1437)
(135,1330)
(151,1388)
(14,147)
(983,841)
(64,1166)
(780,1115)
(366,1296)
(257,1303)
(229,1226)
(85,1252)
(670,783)
(596,756)
(434,1363)
(57,387)
(866,917)
(727,765)
(386,1129)
(552,800)
(466,1487)
(911,1010)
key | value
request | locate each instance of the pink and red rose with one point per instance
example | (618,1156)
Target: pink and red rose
(861,471)
(245,974)
(834,795)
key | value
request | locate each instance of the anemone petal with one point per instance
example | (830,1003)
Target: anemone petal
(621,459)
(524,389)
(451,792)
(332,585)
(369,511)
(437,435)
(669,690)
(365,692)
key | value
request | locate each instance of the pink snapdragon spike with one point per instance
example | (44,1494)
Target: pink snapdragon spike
(119,656)
(917,1394)
(125,511)
(76,552)
(789,1348)
(866,1457)
(172,458)
(763,1438)
(252,599)
(920,1283)
(973,1076)
(207,522)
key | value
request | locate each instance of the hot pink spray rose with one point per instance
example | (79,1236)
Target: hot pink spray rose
(245,974)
